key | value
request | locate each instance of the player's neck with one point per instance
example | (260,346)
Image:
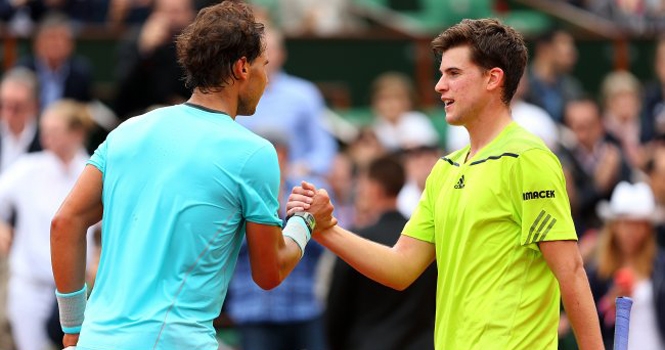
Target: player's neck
(217,101)
(485,128)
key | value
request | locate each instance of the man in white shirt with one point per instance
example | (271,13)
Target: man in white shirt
(19,106)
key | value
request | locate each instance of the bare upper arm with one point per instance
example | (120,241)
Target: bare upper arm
(84,202)
(562,257)
(262,240)
(271,259)
(415,255)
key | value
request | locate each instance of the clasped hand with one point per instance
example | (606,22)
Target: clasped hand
(307,198)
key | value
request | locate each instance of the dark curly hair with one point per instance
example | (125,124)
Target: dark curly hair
(219,36)
(492,45)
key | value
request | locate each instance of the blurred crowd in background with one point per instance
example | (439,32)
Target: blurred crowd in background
(51,120)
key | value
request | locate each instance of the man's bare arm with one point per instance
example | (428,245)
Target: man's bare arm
(81,209)
(565,261)
(272,256)
(396,267)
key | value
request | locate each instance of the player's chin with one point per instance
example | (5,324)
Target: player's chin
(451,119)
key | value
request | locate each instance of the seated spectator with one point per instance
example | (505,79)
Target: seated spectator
(148,72)
(19,108)
(639,17)
(128,12)
(655,171)
(551,84)
(593,163)
(365,148)
(629,264)
(64,75)
(622,107)
(23,14)
(341,180)
(315,17)
(396,123)
(653,118)
(61,74)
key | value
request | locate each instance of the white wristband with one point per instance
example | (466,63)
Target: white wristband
(72,308)
(297,230)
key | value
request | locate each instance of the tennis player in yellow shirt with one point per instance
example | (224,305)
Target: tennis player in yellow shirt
(494,215)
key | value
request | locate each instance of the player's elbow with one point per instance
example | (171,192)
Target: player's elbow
(266,281)
(399,286)
(60,224)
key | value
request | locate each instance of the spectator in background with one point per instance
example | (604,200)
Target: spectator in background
(61,74)
(315,17)
(289,316)
(64,75)
(88,11)
(19,108)
(419,160)
(19,134)
(622,107)
(9,8)
(364,315)
(533,117)
(294,107)
(629,264)
(593,164)
(23,14)
(342,178)
(653,118)
(34,187)
(655,171)
(550,84)
(396,123)
(365,148)
(148,72)
(128,12)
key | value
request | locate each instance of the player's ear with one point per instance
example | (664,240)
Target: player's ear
(241,68)
(495,77)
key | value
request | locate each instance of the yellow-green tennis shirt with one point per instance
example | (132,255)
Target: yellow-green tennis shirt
(485,218)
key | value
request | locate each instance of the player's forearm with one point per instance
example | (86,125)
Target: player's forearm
(378,262)
(581,310)
(68,250)
(271,254)
(288,256)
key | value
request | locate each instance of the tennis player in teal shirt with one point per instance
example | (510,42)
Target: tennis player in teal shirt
(176,190)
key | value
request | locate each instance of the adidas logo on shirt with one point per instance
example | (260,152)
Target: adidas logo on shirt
(460,183)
